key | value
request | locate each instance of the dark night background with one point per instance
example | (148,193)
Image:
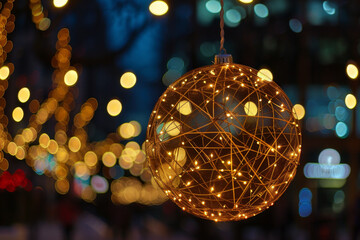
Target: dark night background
(307,45)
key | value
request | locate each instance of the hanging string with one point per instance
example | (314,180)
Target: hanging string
(222,32)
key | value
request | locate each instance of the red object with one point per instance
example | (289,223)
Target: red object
(11,182)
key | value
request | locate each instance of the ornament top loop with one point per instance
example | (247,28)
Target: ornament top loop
(223,58)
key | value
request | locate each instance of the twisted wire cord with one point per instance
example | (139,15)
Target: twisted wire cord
(222,32)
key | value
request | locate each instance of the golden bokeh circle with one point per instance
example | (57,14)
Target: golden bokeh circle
(159,7)
(235,149)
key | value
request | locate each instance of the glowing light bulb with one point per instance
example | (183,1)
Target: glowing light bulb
(246,1)
(158,8)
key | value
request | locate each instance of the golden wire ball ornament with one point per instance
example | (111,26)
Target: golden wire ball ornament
(223,142)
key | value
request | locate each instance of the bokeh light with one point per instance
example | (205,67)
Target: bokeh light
(60,3)
(341,129)
(99,184)
(329,7)
(71,78)
(305,208)
(128,80)
(81,170)
(265,74)
(329,167)
(90,159)
(170,76)
(246,1)
(137,127)
(305,194)
(44,24)
(114,107)
(213,6)
(62,186)
(109,159)
(295,25)
(350,101)
(74,144)
(24,95)
(329,156)
(184,107)
(261,10)
(159,8)
(232,17)
(62,155)
(250,109)
(127,130)
(44,140)
(53,147)
(176,63)
(352,71)
(4,72)
(173,128)
(18,114)
(341,113)
(88,194)
(298,111)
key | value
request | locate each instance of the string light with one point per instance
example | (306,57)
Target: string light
(222,141)
(235,128)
